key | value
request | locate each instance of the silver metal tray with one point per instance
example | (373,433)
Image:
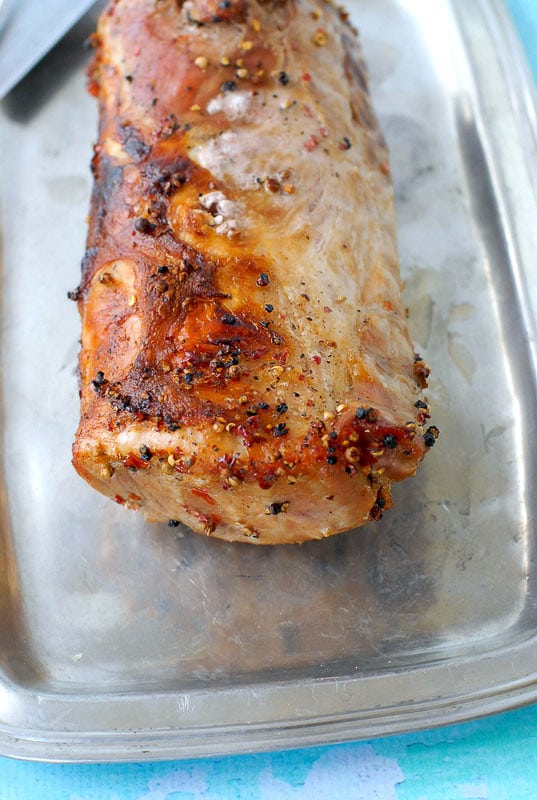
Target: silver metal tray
(121,640)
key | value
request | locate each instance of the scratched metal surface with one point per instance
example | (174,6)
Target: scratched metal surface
(122,640)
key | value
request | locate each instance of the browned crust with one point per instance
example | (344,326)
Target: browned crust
(171,347)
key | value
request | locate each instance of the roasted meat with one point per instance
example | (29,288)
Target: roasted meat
(246,366)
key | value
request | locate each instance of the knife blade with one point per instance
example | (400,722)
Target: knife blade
(30,29)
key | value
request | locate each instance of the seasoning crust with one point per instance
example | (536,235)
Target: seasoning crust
(245,366)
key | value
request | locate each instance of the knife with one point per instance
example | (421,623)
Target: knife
(28,30)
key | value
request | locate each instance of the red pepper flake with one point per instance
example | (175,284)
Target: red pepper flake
(119,499)
(316,359)
(309,112)
(323,131)
(311,143)
(309,403)
(253,422)
(204,495)
(133,463)
(328,310)
(385,168)
(209,521)
(306,76)
(265,482)
(245,435)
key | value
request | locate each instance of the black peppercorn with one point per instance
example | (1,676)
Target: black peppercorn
(143,225)
(263,279)
(145,453)
(280,430)
(430,436)
(367,414)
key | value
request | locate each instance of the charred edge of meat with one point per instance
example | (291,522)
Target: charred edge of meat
(166,174)
(164,177)
(133,142)
(381,504)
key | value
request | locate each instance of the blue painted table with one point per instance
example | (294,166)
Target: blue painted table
(489,759)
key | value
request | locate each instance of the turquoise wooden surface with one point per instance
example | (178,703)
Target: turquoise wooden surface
(488,759)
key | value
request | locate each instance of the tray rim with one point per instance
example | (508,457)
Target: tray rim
(336,701)
(249,736)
